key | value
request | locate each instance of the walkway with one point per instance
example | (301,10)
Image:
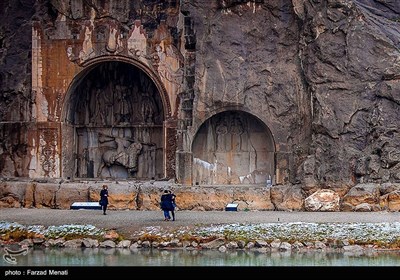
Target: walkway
(127,221)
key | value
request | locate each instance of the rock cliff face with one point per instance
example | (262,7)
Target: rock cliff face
(350,60)
(304,93)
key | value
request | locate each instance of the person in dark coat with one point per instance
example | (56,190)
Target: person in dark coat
(167,205)
(172,197)
(104,199)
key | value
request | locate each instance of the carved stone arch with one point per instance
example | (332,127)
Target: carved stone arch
(114,115)
(233,147)
(153,76)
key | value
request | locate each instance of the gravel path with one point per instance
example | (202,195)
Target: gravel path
(128,221)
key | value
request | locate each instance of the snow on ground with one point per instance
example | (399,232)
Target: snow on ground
(359,233)
(52,231)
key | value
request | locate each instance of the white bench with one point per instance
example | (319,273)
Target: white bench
(86,205)
(231,207)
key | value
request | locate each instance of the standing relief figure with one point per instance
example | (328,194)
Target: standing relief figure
(108,103)
(221,129)
(112,42)
(87,47)
(148,108)
(134,98)
(122,103)
(237,130)
(100,101)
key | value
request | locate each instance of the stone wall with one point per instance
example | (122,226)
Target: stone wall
(136,195)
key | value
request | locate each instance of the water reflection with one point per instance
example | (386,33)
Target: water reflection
(181,257)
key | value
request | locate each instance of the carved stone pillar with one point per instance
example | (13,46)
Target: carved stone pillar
(68,152)
(184,167)
(47,151)
(170,148)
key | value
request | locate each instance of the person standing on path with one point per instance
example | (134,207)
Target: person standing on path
(104,199)
(166,205)
(173,204)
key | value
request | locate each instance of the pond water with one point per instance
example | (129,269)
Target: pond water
(178,257)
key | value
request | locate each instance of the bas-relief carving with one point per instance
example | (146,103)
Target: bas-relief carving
(114,43)
(98,41)
(118,95)
(109,39)
(119,118)
(230,149)
(170,152)
(118,153)
(120,103)
(168,60)
(137,41)
(126,154)
(48,139)
(87,50)
(124,32)
(230,138)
